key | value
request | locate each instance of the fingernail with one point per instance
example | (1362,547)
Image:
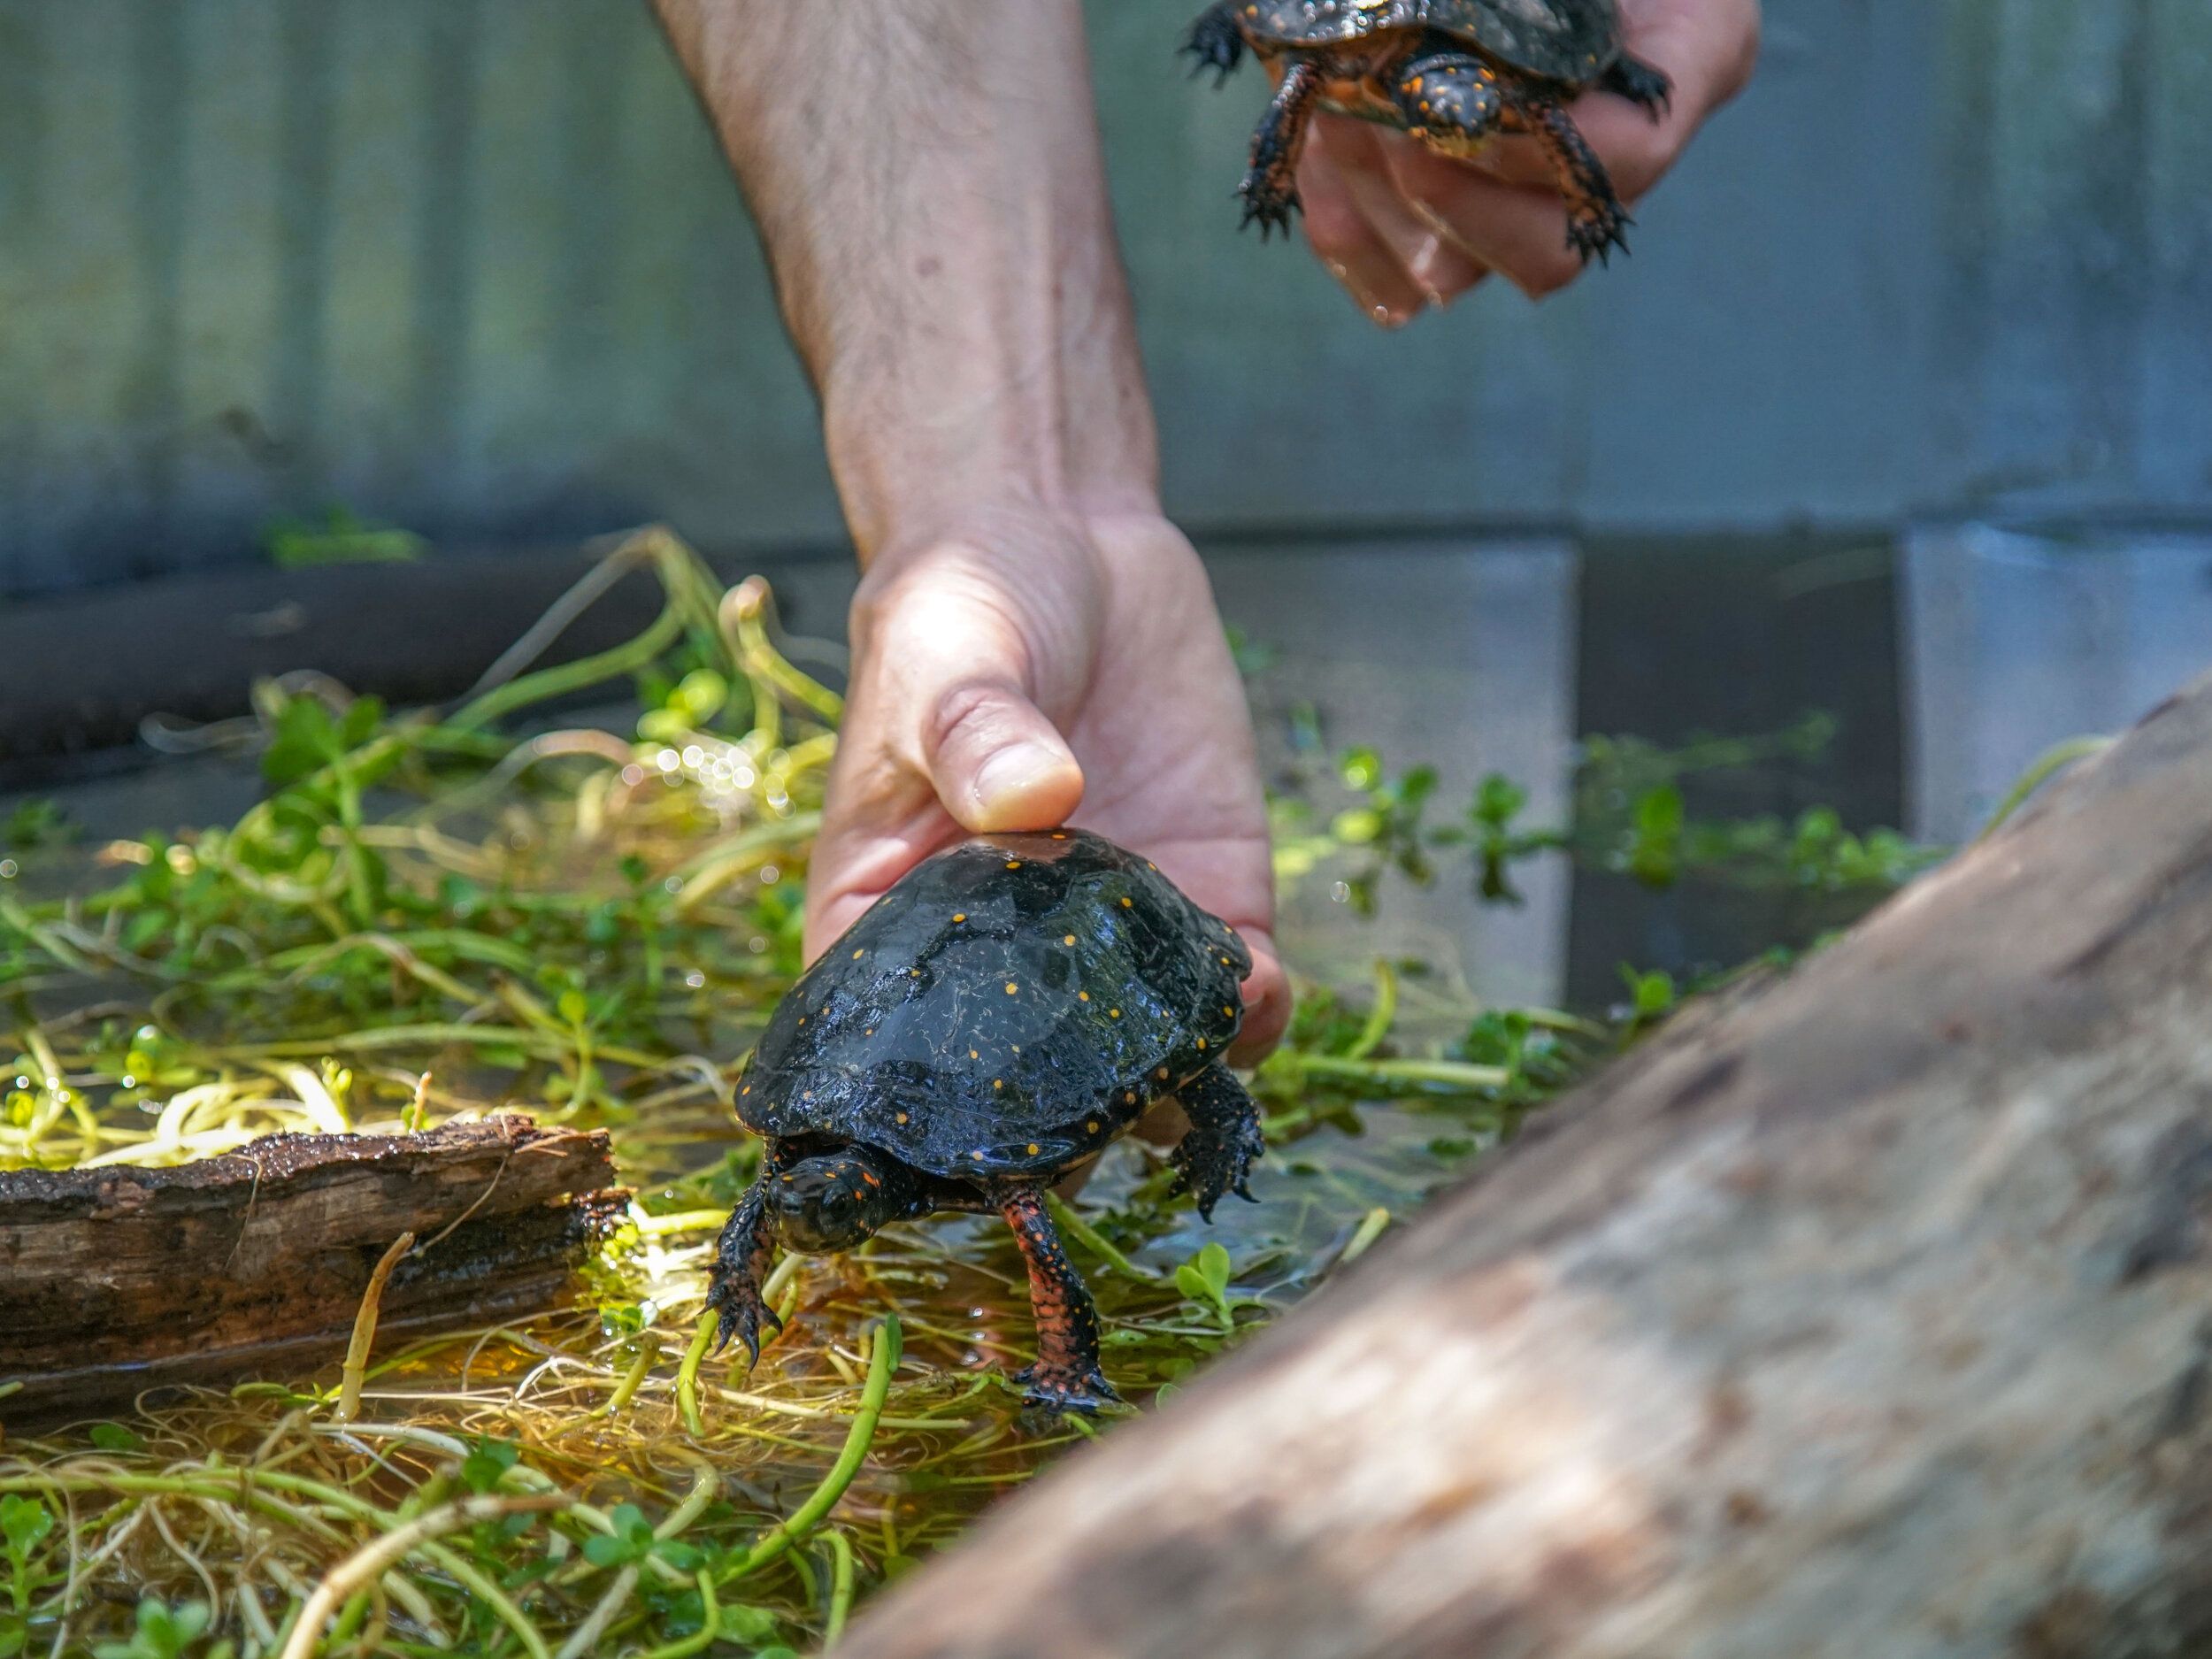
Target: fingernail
(1013,773)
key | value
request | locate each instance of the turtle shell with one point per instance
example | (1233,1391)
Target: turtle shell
(1562,40)
(1008,1008)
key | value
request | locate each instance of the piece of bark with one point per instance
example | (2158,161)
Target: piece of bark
(1867,1312)
(113,1280)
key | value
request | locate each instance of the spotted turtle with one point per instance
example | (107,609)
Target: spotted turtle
(1003,1013)
(1451,72)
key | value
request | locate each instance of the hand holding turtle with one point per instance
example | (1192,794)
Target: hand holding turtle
(1402,224)
(1031,640)
(1006,671)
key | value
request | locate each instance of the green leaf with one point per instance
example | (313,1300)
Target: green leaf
(24,1523)
(605,1549)
(1213,1263)
(487,1464)
(113,1437)
(306,739)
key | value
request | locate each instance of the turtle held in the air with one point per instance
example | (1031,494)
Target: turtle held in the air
(1451,72)
(1005,1010)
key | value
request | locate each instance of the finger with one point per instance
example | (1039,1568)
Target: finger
(1437,269)
(1266,999)
(994,760)
(1520,233)
(1339,232)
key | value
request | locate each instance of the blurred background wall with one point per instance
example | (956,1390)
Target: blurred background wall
(475,267)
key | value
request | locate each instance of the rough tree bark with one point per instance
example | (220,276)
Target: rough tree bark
(1868,1313)
(113,1280)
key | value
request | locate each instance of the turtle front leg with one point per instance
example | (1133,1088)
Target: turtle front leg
(1215,42)
(1271,184)
(1066,1375)
(1640,83)
(1596,219)
(1224,1141)
(742,1257)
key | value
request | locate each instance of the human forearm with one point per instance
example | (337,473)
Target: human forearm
(926,177)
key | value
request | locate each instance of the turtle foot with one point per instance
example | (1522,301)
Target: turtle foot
(736,1301)
(1060,1389)
(1269,205)
(1597,231)
(1210,1163)
(1214,43)
(1640,83)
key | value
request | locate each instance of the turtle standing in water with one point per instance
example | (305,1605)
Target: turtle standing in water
(1008,1008)
(1451,72)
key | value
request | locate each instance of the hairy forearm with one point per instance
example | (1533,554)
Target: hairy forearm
(926,177)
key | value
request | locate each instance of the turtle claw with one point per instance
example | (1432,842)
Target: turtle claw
(1058,1393)
(741,1312)
(1270,209)
(1214,43)
(1599,234)
(1210,1165)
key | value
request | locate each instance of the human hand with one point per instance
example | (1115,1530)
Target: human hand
(1022,668)
(1401,227)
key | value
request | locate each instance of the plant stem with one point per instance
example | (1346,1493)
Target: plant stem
(881,1363)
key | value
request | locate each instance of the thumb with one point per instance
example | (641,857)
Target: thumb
(996,762)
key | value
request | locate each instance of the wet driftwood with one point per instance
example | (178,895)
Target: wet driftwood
(113,1280)
(1869,1312)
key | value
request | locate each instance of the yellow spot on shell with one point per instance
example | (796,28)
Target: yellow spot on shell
(1113,1013)
(901,1116)
(1090,1128)
(1067,938)
(1013,863)
(802,1019)
(1059,835)
(1161,1073)
(1130,1097)
(977,1157)
(998,1082)
(1032,1148)
(858,953)
(1082,997)
(960,916)
(1012,987)
(747,1089)
(1124,903)
(806,1094)
(972,1055)
(1227,1012)
(1202,1045)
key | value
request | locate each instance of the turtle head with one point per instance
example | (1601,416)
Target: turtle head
(824,1204)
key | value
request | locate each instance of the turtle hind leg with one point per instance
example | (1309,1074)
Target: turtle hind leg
(1271,183)
(742,1257)
(1596,221)
(1224,1141)
(1066,1375)
(1640,83)
(1450,101)
(1214,43)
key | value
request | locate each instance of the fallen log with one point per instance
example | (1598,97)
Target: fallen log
(1866,1313)
(113,1280)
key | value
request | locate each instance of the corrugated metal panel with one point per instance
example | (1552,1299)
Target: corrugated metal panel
(474,266)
